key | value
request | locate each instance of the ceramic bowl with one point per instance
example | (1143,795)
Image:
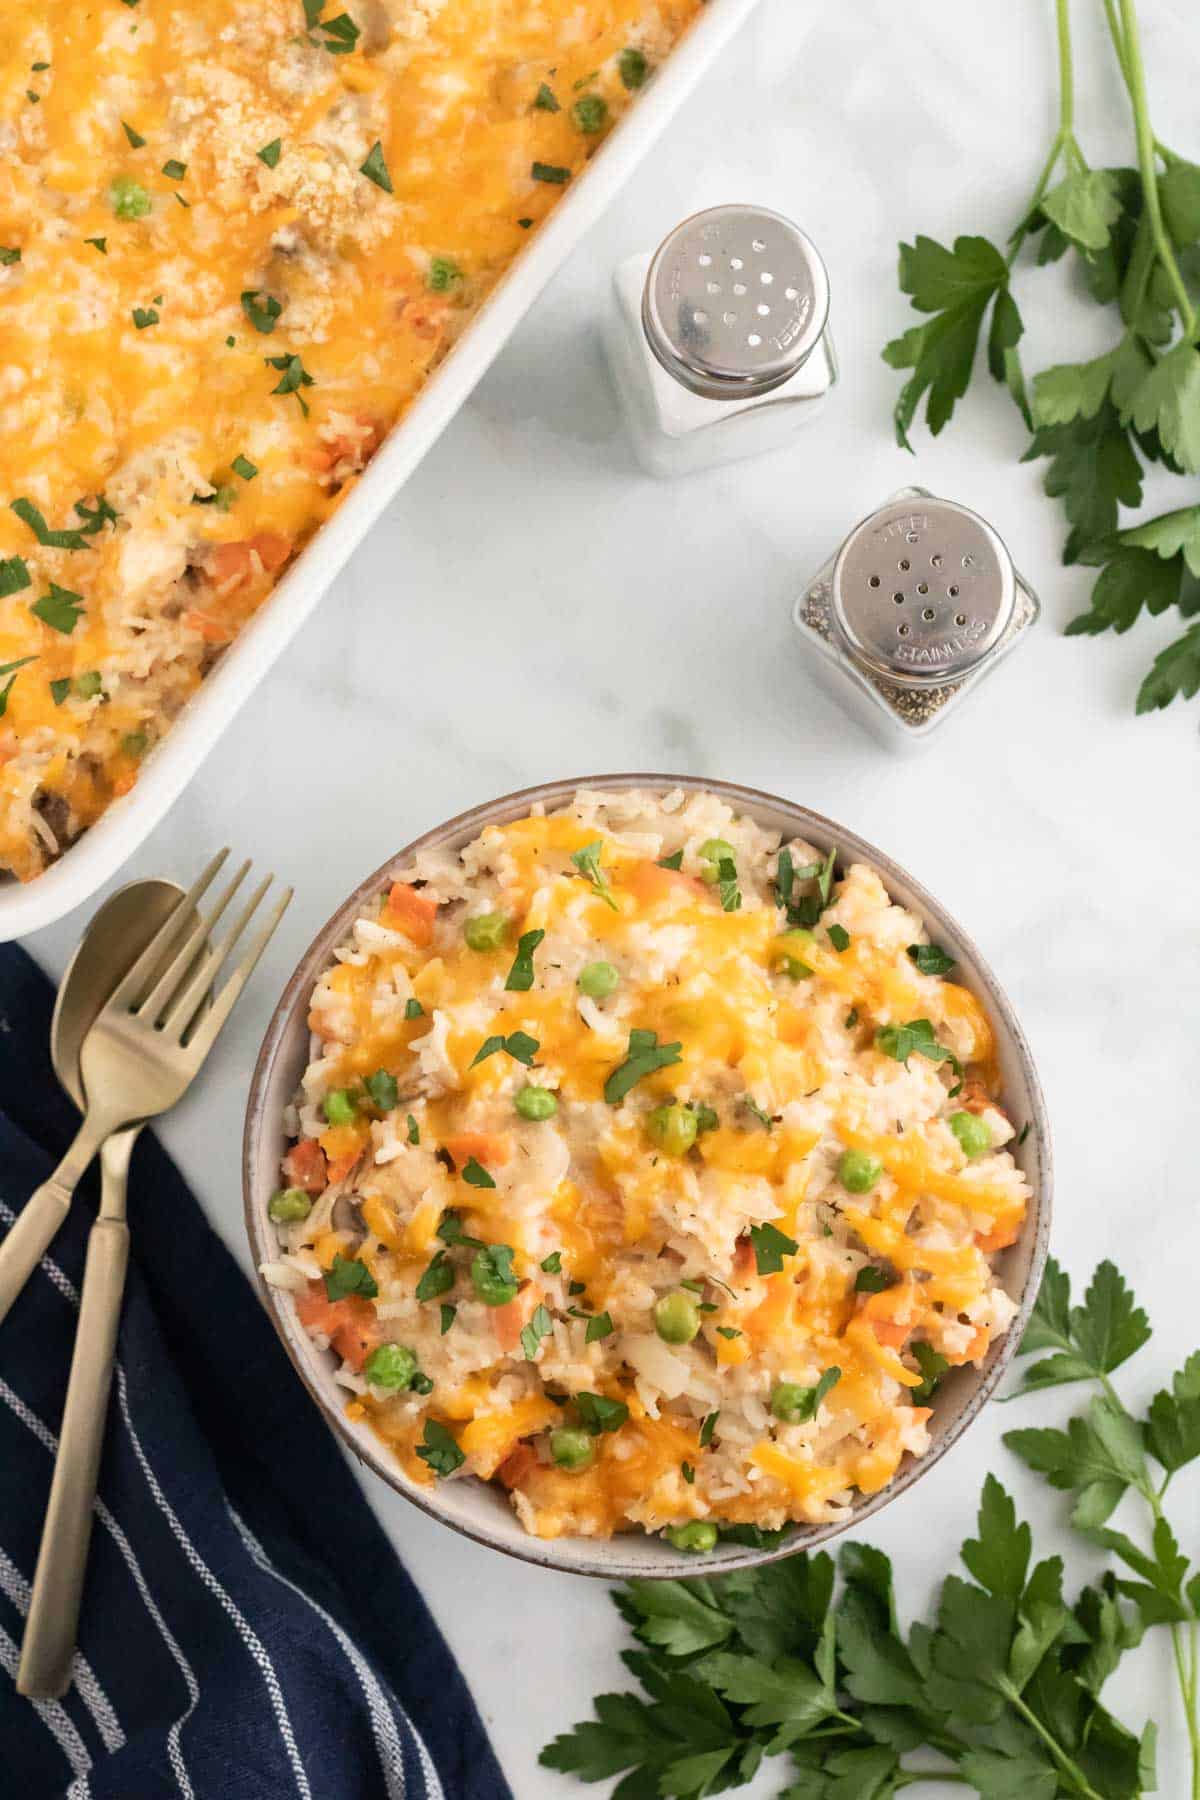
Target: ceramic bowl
(480,1510)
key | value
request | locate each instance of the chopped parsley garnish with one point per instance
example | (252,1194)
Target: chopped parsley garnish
(728,1331)
(60,609)
(550,172)
(524,224)
(447,1314)
(450,1230)
(871,1280)
(375,168)
(539,1326)
(437,1279)
(180,201)
(751,1105)
(803,909)
(552,1264)
(577,1287)
(173,170)
(261,309)
(706,1119)
(770,1247)
(520,976)
(95,517)
(1024,1133)
(413,1009)
(241,465)
(135,743)
(144,316)
(475,1175)
(38,67)
(688,1473)
(270,153)
(545,100)
(8,256)
(443,273)
(590,114)
(915,1038)
(99,243)
(10,669)
(933,1366)
(13,576)
(381,1086)
(632,68)
(931,959)
(727,885)
(439,1449)
(519,1045)
(839,937)
(414,1130)
(340,34)
(71,539)
(89,685)
(294,376)
(852,1018)
(349,1277)
(599,1327)
(587,861)
(60,689)
(646,1055)
(807,1401)
(136,140)
(597,1413)
(707,1429)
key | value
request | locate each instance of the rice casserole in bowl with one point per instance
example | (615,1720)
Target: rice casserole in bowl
(235,239)
(650,1168)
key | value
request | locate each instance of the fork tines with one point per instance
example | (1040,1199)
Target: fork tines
(173,977)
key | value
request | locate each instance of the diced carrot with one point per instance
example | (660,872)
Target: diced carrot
(509,1321)
(649,882)
(350,1324)
(211,630)
(235,561)
(304,1167)
(341,1166)
(880,1312)
(921,1413)
(517,1465)
(999,1238)
(354,448)
(411,912)
(744,1261)
(491,1148)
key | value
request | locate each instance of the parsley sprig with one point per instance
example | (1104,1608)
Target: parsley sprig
(1102,420)
(1000,1696)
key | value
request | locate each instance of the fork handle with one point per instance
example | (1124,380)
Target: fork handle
(49,1643)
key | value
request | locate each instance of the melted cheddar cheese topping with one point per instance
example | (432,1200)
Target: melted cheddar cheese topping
(688,1241)
(234,240)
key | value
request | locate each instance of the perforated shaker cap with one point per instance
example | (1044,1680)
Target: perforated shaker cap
(736,299)
(923,592)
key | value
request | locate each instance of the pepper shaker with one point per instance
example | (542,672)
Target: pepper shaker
(917,607)
(719,342)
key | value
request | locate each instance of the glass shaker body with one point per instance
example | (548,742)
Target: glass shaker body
(919,605)
(719,343)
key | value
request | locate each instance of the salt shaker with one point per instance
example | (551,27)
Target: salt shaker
(918,606)
(719,342)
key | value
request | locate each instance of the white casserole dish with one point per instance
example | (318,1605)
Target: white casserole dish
(26,907)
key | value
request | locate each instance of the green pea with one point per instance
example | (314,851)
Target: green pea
(134,743)
(391,1366)
(791,1403)
(858,1172)
(492,1276)
(129,198)
(486,931)
(289,1205)
(89,685)
(972,1133)
(339,1106)
(676,1318)
(598,980)
(536,1103)
(673,1128)
(572,1449)
(713,852)
(696,1535)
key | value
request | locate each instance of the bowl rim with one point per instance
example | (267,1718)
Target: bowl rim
(602,1556)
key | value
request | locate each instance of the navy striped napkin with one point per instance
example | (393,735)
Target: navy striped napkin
(247,1629)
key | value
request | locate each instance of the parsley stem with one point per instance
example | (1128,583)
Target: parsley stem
(1064,137)
(1136,83)
(1118,44)
(1070,1770)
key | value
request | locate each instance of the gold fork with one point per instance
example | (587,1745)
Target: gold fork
(148,1041)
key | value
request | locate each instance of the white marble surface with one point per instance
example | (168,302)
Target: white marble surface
(533,607)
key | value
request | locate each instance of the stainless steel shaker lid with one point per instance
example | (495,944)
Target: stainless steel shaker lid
(922,591)
(736,298)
